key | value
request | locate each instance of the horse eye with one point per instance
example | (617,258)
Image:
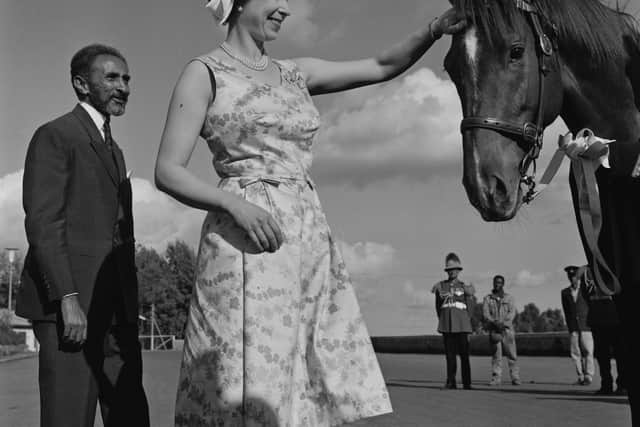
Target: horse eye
(517,52)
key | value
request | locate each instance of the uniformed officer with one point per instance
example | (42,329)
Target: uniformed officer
(453,305)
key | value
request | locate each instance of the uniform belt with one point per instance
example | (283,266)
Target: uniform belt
(460,305)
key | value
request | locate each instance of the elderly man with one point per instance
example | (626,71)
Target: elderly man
(79,284)
(499,310)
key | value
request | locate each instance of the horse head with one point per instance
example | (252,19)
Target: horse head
(498,65)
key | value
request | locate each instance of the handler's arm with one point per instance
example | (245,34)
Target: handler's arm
(329,76)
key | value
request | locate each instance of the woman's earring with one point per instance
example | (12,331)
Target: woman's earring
(240,9)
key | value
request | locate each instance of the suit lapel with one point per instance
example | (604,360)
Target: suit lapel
(96,142)
(122,173)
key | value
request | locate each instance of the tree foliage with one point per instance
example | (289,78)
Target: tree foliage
(5,267)
(166,282)
(532,320)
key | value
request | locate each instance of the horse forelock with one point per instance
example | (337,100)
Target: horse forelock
(587,27)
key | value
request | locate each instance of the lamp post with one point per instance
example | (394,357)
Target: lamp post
(11,252)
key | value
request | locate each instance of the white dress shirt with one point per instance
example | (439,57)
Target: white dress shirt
(95,115)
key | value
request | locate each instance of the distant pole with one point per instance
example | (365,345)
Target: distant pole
(11,252)
(153,321)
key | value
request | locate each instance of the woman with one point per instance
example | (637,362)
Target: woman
(275,336)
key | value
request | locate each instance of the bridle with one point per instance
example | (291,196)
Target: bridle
(530,135)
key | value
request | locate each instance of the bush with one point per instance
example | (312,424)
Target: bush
(7,335)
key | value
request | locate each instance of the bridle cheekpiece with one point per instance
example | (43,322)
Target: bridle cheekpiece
(528,134)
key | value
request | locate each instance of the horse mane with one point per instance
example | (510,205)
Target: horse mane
(587,26)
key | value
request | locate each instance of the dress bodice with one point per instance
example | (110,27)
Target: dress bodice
(257,129)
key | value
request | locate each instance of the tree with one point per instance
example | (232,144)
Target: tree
(154,285)
(526,320)
(181,261)
(532,320)
(477,316)
(551,320)
(4,278)
(166,282)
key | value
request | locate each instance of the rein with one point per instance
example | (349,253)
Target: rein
(529,134)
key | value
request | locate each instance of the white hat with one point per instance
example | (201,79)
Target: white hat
(221,10)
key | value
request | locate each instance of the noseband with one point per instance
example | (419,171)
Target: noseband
(530,135)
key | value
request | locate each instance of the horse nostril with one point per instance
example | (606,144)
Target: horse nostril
(497,188)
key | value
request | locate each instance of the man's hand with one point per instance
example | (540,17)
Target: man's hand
(74,320)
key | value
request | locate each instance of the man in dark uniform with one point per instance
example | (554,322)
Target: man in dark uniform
(619,238)
(453,305)
(576,311)
(606,330)
(79,284)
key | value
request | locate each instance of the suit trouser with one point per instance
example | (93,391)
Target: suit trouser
(507,347)
(582,353)
(108,367)
(457,344)
(608,344)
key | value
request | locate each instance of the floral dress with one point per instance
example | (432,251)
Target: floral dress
(273,339)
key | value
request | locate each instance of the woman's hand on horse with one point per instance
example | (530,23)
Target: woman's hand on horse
(259,225)
(451,22)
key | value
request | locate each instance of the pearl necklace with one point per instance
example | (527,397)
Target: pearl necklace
(259,65)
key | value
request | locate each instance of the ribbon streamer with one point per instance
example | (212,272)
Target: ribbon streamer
(587,153)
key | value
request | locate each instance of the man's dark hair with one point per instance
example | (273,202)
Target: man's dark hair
(498,276)
(83,59)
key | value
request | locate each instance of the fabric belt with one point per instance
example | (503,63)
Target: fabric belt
(275,180)
(460,305)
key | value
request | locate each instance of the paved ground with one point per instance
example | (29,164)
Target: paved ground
(547,397)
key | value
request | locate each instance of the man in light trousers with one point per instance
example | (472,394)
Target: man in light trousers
(576,311)
(499,310)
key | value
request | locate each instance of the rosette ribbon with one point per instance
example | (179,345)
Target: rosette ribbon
(587,152)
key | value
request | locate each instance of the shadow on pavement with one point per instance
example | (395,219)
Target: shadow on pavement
(563,394)
(600,399)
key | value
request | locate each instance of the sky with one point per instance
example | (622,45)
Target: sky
(388,160)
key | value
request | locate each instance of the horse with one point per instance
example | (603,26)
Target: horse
(519,65)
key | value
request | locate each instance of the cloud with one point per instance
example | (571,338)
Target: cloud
(418,297)
(11,213)
(367,263)
(526,279)
(160,220)
(406,128)
(367,258)
(299,28)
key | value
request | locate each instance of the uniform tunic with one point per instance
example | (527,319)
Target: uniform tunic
(453,299)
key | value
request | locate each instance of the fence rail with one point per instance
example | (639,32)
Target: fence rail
(157,342)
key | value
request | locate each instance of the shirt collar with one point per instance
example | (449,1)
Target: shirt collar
(95,115)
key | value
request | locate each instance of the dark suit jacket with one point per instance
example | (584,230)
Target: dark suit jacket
(575,312)
(79,221)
